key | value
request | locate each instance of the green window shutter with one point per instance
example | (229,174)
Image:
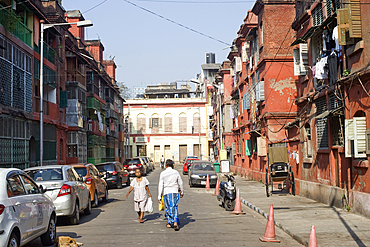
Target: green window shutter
(63,99)
(248,148)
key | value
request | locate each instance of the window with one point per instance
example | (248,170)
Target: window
(300,57)
(308,141)
(183,123)
(155,122)
(321,124)
(355,137)
(168,124)
(141,124)
(16,186)
(196,123)
(31,187)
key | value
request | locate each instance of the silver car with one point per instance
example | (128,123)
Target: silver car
(65,188)
(26,213)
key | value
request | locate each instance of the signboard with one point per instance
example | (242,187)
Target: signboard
(223,154)
(225,165)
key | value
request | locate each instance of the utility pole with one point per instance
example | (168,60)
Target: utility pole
(129,129)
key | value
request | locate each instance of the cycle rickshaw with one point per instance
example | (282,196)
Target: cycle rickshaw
(279,171)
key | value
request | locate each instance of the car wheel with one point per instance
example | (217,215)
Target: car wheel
(49,236)
(119,183)
(75,218)
(105,198)
(229,204)
(13,241)
(96,199)
(128,183)
(87,210)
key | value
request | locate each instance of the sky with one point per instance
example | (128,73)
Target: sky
(149,50)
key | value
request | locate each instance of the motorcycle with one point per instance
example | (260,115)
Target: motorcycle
(227,193)
(162,165)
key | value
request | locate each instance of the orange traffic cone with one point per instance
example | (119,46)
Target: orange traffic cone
(208,187)
(270,228)
(238,206)
(313,242)
(217,189)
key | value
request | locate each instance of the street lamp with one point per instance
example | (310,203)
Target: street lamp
(86,23)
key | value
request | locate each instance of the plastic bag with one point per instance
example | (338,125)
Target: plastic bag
(149,205)
(161,205)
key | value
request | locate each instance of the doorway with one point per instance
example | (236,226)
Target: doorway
(183,150)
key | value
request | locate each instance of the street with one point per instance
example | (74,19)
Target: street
(203,223)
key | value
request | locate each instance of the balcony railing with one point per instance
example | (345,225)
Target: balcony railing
(12,22)
(49,53)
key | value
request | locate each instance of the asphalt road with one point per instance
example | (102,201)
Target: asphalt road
(203,223)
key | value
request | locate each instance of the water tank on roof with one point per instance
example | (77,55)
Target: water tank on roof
(210,58)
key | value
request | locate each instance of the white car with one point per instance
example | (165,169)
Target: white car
(25,211)
(66,189)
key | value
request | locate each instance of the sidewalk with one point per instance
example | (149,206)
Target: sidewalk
(295,215)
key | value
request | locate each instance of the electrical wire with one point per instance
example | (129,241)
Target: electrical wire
(10,6)
(174,22)
(94,7)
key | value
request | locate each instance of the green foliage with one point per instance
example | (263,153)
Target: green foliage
(9,21)
(348,208)
(346,72)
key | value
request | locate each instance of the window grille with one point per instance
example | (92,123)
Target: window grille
(322,133)
(320,105)
(317,17)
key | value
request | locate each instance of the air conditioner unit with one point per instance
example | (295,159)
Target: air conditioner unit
(89,127)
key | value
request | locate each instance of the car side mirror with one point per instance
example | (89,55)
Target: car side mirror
(42,189)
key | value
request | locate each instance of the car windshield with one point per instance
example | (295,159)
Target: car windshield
(203,166)
(46,174)
(82,171)
(192,157)
(105,168)
(134,162)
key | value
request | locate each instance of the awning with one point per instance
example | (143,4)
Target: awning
(329,113)
(306,36)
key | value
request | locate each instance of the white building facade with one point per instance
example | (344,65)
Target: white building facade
(168,127)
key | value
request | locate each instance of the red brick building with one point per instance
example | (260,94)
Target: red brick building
(264,87)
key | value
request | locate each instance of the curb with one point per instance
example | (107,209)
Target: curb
(261,212)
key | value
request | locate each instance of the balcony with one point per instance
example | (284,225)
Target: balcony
(12,22)
(49,52)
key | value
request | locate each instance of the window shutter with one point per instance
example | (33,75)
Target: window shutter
(355,19)
(248,101)
(63,99)
(349,136)
(296,58)
(360,137)
(261,90)
(150,123)
(248,148)
(343,25)
(367,141)
(303,59)
(257,91)
(160,122)
(238,62)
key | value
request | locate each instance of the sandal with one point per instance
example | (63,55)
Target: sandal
(141,221)
(176,227)
(168,226)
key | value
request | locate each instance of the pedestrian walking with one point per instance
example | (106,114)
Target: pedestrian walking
(162,162)
(171,188)
(140,187)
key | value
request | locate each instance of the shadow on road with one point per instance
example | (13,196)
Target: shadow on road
(152,216)
(95,212)
(185,219)
(68,234)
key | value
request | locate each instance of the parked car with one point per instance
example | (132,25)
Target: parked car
(198,173)
(148,162)
(187,164)
(94,180)
(26,213)
(190,156)
(114,174)
(145,164)
(65,188)
(132,164)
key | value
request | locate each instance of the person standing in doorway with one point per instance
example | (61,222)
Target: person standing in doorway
(171,188)
(141,188)
(162,162)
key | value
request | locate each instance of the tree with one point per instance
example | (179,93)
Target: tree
(125,92)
